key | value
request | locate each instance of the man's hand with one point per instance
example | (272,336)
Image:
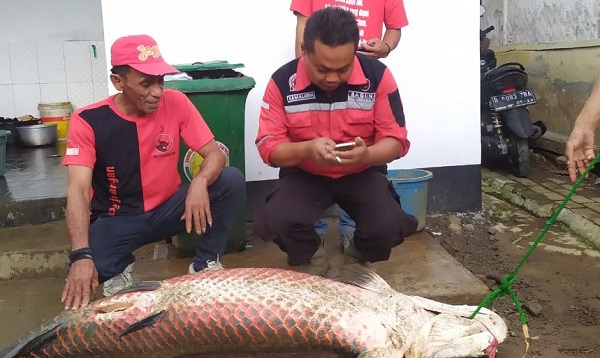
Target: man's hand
(375,48)
(80,284)
(321,151)
(197,207)
(357,155)
(579,151)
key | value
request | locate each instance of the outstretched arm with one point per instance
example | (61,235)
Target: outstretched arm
(580,146)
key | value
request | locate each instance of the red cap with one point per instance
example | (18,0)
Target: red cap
(140,52)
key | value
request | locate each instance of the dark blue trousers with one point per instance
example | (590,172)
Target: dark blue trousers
(114,239)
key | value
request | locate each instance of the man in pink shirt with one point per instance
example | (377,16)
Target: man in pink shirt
(370,15)
(124,187)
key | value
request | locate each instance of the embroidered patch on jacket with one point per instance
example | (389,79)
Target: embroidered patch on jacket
(299,97)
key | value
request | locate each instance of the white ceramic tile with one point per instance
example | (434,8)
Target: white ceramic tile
(51,62)
(80,94)
(53,92)
(77,61)
(5,76)
(100,91)
(27,98)
(99,69)
(7,103)
(23,63)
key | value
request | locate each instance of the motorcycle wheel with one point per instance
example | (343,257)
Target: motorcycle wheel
(518,156)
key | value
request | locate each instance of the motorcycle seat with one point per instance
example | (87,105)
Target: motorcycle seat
(504,76)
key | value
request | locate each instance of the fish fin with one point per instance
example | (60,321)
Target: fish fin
(141,286)
(115,307)
(36,339)
(358,275)
(146,322)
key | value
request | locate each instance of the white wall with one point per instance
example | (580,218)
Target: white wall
(541,21)
(436,64)
(46,54)
(36,20)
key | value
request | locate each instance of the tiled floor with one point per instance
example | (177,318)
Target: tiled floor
(33,173)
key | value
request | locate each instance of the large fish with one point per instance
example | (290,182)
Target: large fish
(265,310)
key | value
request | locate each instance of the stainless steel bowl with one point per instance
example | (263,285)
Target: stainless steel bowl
(39,134)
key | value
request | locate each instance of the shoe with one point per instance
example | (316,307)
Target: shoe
(346,239)
(210,266)
(118,282)
(317,266)
(353,256)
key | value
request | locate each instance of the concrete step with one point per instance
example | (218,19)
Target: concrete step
(419,266)
(34,250)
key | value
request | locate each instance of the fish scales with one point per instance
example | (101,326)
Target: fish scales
(250,310)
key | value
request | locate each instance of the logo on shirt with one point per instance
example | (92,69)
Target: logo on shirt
(292,83)
(366,86)
(355,96)
(299,97)
(163,143)
(72,148)
(113,185)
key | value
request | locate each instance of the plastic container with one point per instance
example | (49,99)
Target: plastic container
(411,185)
(59,113)
(3,139)
(219,93)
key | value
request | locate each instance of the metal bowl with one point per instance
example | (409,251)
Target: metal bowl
(37,135)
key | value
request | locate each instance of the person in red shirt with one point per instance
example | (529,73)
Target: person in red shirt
(371,16)
(124,187)
(332,95)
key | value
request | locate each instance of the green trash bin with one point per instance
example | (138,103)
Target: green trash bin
(219,92)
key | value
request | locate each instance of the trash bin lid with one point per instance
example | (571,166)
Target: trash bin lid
(220,78)
(211,65)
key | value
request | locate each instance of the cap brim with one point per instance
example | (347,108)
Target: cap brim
(155,69)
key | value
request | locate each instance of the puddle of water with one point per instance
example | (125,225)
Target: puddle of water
(562,250)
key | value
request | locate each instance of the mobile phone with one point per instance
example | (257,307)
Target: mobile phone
(345,146)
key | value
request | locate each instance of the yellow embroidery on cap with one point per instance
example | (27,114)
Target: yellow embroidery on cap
(147,51)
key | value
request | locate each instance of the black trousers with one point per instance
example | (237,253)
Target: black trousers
(300,198)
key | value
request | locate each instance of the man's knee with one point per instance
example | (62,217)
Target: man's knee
(232,181)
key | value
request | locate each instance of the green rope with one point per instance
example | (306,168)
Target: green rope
(504,288)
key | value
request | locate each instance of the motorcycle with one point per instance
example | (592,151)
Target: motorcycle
(506,127)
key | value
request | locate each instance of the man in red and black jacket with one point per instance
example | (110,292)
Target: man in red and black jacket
(332,95)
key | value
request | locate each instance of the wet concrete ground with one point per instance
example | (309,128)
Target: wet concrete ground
(419,266)
(33,173)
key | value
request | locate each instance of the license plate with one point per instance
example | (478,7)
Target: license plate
(512,100)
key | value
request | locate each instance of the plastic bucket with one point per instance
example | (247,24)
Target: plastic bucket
(3,139)
(411,185)
(59,113)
